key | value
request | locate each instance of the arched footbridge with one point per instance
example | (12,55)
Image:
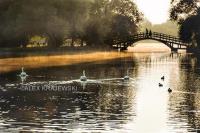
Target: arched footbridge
(174,43)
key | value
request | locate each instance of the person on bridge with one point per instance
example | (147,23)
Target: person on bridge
(147,32)
(150,33)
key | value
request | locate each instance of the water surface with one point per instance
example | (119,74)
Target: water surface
(106,103)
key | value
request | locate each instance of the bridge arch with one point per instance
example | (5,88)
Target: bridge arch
(148,45)
(174,43)
(156,40)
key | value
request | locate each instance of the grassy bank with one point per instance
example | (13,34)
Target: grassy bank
(26,52)
(39,61)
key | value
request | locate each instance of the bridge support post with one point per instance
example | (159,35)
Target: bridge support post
(124,48)
(174,49)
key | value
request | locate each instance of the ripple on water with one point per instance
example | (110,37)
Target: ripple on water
(105,104)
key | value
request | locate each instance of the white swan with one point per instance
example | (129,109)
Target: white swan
(126,77)
(23,73)
(83,77)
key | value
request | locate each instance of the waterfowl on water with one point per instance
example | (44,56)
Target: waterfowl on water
(163,77)
(83,77)
(126,77)
(160,85)
(169,90)
(23,73)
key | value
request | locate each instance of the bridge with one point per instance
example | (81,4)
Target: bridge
(174,43)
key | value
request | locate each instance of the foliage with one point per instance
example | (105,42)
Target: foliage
(168,27)
(187,14)
(182,9)
(190,30)
(92,21)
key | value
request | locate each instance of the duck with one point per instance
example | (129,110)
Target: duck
(160,85)
(163,77)
(23,73)
(83,77)
(126,77)
(169,90)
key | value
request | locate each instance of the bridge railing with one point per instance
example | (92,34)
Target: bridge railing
(168,39)
(160,37)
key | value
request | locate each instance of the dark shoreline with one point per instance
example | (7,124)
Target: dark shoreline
(195,51)
(26,52)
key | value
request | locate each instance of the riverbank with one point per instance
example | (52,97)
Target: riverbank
(27,52)
(196,52)
(29,62)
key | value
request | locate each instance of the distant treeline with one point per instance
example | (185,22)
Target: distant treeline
(187,14)
(169,27)
(95,22)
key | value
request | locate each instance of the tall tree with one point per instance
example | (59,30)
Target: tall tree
(112,19)
(126,18)
(93,21)
(54,19)
(187,14)
(182,9)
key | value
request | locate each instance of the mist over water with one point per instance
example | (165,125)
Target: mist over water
(106,103)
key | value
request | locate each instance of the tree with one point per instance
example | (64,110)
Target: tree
(187,14)
(182,9)
(53,19)
(110,20)
(93,21)
(125,19)
(190,30)
(99,23)
(122,27)
(126,8)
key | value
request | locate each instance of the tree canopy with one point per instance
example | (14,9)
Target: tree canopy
(182,9)
(187,14)
(96,22)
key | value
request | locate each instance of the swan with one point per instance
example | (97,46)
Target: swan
(23,73)
(126,77)
(83,77)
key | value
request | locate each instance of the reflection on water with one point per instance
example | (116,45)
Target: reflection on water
(107,102)
(11,64)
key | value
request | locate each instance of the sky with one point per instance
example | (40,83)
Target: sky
(156,11)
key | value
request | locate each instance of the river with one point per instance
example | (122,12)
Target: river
(105,102)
